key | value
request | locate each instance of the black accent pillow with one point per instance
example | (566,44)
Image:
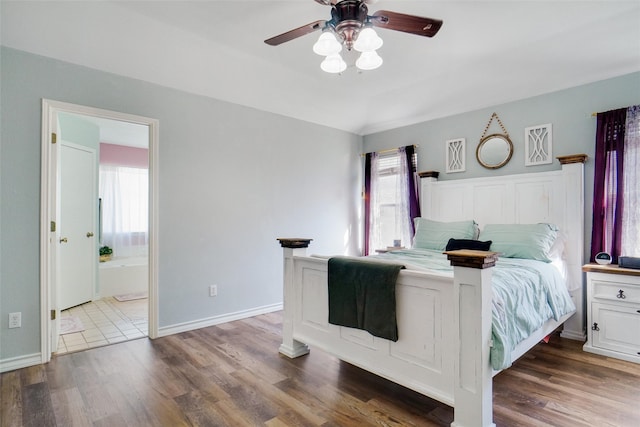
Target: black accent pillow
(476,245)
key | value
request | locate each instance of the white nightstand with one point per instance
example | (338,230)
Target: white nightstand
(613,311)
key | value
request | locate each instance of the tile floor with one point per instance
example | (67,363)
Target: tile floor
(106,321)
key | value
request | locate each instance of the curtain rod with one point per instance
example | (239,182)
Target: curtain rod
(390,150)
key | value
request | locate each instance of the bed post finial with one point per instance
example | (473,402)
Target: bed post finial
(294,243)
(290,248)
(572,158)
(429,174)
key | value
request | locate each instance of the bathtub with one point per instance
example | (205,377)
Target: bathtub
(123,276)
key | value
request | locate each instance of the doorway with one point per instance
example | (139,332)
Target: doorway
(52,255)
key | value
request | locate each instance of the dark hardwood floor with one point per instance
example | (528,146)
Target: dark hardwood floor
(232,375)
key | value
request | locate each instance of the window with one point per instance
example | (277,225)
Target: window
(391,198)
(631,189)
(124,209)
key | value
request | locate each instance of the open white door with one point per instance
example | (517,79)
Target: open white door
(77,250)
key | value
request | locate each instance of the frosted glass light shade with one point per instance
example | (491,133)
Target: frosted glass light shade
(333,64)
(327,44)
(367,41)
(369,61)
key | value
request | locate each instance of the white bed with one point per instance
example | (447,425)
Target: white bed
(444,323)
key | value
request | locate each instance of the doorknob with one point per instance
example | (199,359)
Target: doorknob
(63,240)
(89,234)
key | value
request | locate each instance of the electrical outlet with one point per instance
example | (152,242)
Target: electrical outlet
(213,290)
(15,320)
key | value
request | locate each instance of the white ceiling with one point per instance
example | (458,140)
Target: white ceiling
(487,52)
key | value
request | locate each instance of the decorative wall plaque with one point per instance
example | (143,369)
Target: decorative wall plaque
(538,145)
(455,151)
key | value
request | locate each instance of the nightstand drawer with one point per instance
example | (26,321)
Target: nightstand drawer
(615,291)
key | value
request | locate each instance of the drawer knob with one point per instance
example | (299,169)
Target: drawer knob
(621,294)
(595,327)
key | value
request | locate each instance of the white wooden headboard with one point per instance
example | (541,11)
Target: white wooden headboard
(554,197)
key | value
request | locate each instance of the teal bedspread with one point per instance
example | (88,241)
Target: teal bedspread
(526,293)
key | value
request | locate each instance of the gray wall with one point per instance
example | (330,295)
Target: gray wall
(232,180)
(569,111)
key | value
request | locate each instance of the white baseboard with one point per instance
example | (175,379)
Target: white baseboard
(20,362)
(216,320)
(573,335)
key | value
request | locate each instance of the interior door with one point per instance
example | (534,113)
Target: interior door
(77,250)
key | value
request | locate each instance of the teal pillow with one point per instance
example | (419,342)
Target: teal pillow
(530,241)
(436,234)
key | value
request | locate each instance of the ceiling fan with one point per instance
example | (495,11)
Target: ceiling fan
(351,25)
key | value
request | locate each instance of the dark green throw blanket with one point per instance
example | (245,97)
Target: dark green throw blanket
(362,294)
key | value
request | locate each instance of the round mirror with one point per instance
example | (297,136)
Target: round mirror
(494,151)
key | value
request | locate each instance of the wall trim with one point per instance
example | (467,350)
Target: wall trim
(19,362)
(164,331)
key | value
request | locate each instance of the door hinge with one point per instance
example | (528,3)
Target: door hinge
(54,138)
(53,226)
(53,315)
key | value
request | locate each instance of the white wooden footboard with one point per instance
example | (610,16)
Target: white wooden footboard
(444,329)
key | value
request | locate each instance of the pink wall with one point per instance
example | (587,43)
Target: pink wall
(111,154)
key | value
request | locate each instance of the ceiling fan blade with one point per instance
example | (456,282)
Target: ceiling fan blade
(298,32)
(427,27)
(333,2)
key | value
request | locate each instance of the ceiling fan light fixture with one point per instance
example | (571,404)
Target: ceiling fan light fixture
(327,44)
(351,28)
(333,64)
(367,41)
(369,61)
